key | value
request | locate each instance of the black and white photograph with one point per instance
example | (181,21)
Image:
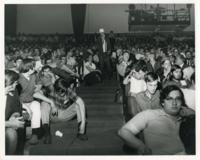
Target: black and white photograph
(100,79)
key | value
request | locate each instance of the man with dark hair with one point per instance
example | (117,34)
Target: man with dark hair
(160,126)
(176,78)
(13,115)
(135,81)
(180,61)
(150,98)
(30,94)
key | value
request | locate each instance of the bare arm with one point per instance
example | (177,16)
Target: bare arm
(129,131)
(89,68)
(130,138)
(68,70)
(40,96)
(15,121)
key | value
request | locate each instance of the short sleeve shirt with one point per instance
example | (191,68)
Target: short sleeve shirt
(161,131)
(136,85)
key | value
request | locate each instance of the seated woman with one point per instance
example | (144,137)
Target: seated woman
(68,105)
(13,116)
(91,75)
(165,71)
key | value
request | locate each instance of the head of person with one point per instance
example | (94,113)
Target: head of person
(172,99)
(28,66)
(176,73)
(63,59)
(18,62)
(166,64)
(180,60)
(48,61)
(11,78)
(45,70)
(150,56)
(89,58)
(65,87)
(151,80)
(172,59)
(102,33)
(188,55)
(126,56)
(140,69)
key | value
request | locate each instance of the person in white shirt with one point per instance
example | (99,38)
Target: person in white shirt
(91,74)
(189,93)
(136,83)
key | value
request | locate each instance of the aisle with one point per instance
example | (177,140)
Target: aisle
(104,119)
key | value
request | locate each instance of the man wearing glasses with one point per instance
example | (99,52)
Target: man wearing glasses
(160,126)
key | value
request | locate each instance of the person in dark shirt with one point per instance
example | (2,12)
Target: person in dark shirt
(14,126)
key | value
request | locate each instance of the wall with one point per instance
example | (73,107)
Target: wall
(10,19)
(57,18)
(192,26)
(44,19)
(109,16)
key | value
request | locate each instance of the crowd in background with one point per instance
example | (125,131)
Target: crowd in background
(144,66)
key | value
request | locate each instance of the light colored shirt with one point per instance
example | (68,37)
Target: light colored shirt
(121,68)
(161,131)
(104,46)
(136,85)
(90,65)
(189,95)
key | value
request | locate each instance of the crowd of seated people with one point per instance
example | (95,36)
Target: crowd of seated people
(47,69)
(158,79)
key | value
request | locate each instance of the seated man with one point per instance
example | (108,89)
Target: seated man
(68,105)
(31,96)
(14,126)
(160,126)
(150,98)
(135,79)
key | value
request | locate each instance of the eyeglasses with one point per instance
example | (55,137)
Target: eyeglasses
(171,99)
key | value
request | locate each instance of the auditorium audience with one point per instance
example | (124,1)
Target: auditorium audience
(153,76)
